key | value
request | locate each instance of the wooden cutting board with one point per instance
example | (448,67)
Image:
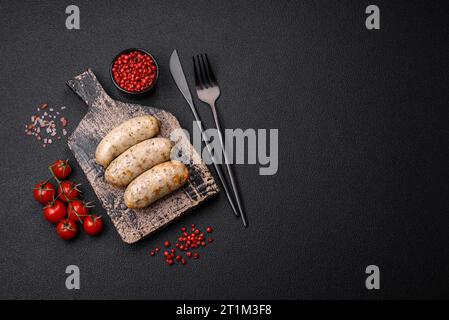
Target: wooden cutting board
(104,114)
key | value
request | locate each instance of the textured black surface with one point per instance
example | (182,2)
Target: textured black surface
(363,146)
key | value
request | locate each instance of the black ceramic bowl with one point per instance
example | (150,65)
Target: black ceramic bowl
(134,94)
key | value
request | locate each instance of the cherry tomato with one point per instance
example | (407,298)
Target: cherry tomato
(61,169)
(67,229)
(67,190)
(93,225)
(55,211)
(77,211)
(44,192)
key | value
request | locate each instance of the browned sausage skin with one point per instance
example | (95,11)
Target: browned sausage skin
(156,183)
(125,136)
(136,160)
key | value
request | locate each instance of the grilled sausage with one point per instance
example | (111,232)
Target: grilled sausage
(155,183)
(125,136)
(136,160)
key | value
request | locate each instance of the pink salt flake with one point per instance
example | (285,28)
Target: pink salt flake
(64,121)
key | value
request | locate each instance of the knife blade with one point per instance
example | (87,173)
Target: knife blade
(179,77)
(181,82)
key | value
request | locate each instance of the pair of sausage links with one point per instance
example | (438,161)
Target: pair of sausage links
(156,183)
(125,136)
(136,160)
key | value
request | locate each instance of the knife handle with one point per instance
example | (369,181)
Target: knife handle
(220,174)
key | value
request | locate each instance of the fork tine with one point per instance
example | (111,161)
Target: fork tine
(212,79)
(199,73)
(206,70)
(203,74)
(197,81)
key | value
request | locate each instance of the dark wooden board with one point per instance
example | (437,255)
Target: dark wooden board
(104,114)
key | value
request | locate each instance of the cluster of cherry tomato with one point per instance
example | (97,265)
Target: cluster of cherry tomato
(62,205)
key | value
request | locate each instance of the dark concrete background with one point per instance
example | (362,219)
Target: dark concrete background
(363,142)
